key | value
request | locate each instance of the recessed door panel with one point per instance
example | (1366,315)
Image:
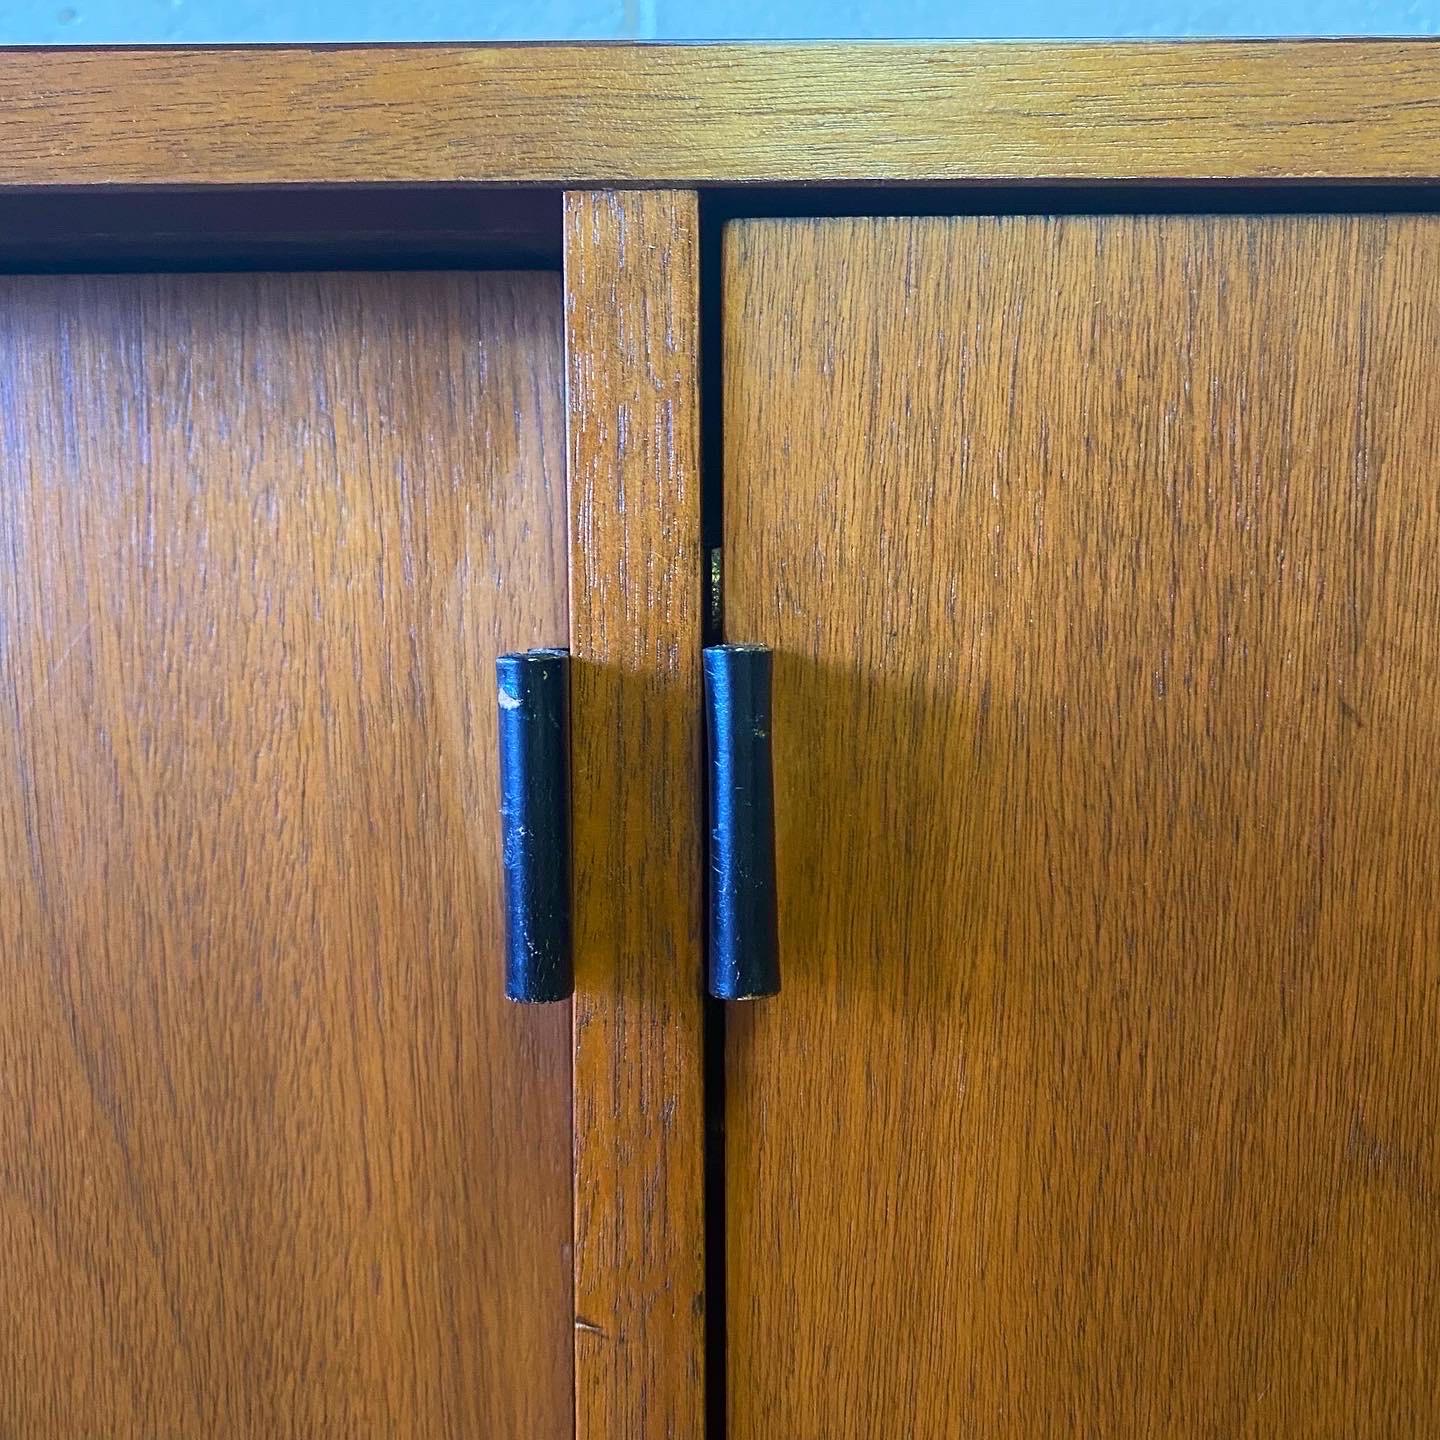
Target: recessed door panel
(276,1156)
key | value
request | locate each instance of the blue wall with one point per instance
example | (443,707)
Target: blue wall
(96,22)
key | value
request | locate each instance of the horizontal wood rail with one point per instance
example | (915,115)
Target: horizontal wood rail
(721,114)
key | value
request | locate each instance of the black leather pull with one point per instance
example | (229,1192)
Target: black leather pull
(744,930)
(534,698)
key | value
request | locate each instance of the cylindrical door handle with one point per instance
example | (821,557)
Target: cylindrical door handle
(744,960)
(534,700)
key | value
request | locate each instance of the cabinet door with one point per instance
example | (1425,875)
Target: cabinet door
(1102,557)
(276,1157)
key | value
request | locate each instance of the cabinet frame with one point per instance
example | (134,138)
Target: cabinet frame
(600,161)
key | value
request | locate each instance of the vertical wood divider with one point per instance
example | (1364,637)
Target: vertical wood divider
(632,341)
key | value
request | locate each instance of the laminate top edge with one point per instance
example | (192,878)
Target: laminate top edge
(820,113)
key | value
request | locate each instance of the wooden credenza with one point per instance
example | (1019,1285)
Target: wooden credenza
(1063,417)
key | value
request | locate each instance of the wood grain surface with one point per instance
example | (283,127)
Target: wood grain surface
(276,1156)
(677,114)
(632,352)
(1102,556)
